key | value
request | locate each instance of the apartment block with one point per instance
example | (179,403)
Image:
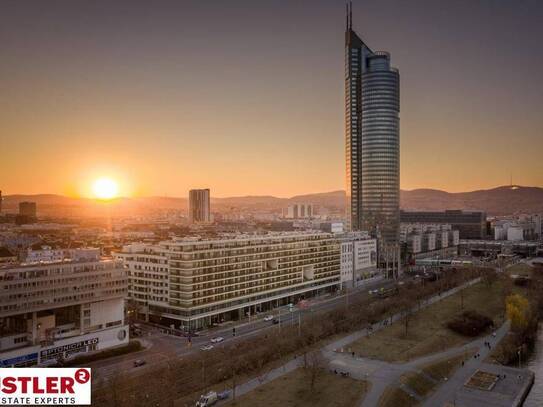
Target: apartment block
(194,282)
(426,239)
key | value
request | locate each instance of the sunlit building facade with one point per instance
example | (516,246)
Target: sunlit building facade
(193,282)
(51,311)
(372,105)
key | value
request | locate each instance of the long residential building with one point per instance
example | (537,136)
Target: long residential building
(194,282)
(51,311)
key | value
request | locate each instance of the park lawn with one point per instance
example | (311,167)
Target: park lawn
(394,397)
(520,269)
(431,375)
(293,389)
(418,382)
(443,369)
(427,331)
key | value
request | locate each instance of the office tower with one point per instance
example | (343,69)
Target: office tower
(199,206)
(372,143)
(27,209)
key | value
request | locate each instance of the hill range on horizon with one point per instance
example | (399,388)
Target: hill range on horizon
(503,200)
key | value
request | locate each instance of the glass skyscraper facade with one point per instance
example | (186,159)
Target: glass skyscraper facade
(372,139)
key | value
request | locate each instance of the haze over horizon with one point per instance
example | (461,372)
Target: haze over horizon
(251,102)
(515,186)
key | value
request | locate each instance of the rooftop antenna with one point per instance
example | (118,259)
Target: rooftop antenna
(350,14)
(346,16)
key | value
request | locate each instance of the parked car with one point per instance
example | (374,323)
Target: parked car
(217,339)
(206,347)
(268,318)
(139,362)
(208,400)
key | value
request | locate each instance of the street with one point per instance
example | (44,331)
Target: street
(161,347)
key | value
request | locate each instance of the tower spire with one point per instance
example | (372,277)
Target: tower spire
(350,14)
(346,16)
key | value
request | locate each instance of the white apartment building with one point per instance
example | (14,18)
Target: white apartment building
(358,260)
(193,282)
(56,310)
(299,211)
(427,239)
(518,228)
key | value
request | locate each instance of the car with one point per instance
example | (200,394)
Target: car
(208,400)
(217,339)
(139,362)
(268,318)
(206,347)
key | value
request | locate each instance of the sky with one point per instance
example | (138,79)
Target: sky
(246,97)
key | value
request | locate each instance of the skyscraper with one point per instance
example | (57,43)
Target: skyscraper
(199,206)
(372,138)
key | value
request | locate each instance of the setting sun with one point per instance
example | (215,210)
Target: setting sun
(105,188)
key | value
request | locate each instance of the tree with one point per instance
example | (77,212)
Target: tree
(406,308)
(315,366)
(518,311)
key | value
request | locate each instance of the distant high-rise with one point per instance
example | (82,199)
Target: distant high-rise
(372,139)
(199,206)
(28,209)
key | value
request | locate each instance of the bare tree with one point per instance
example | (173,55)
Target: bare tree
(406,309)
(315,366)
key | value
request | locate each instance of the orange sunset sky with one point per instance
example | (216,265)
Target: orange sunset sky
(247,99)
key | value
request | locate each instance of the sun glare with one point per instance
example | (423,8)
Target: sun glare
(105,188)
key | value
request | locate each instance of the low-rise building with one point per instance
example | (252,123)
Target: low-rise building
(51,311)
(518,228)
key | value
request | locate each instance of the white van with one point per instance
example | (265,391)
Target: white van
(208,400)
